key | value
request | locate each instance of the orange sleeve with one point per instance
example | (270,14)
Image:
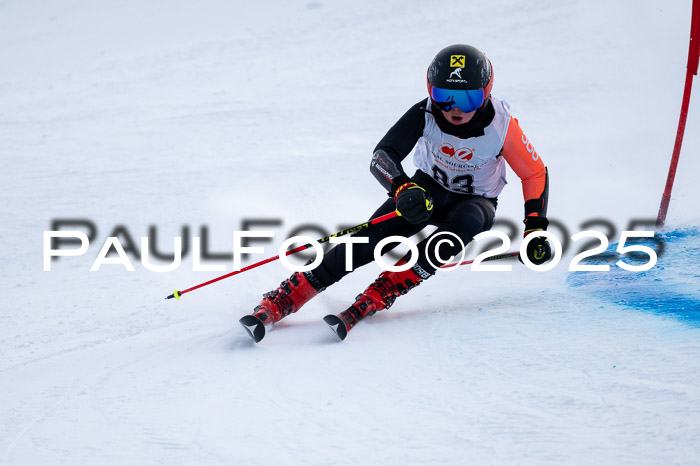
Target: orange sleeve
(526,163)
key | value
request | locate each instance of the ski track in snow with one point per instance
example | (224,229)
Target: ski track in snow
(183,116)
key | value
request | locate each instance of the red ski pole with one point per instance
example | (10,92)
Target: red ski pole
(491,258)
(359,227)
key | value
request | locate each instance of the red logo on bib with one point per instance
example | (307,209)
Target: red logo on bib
(463,153)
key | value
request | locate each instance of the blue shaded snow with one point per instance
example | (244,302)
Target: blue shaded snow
(671,287)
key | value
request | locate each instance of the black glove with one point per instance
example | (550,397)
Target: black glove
(538,249)
(413,203)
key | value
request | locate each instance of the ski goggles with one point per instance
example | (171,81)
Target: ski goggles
(465,100)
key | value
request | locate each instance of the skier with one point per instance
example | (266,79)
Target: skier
(463,138)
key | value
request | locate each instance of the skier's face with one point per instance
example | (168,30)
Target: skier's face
(458,117)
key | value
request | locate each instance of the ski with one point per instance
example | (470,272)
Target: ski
(340,324)
(254,326)
(343,322)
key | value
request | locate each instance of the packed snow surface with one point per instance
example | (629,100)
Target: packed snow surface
(162,119)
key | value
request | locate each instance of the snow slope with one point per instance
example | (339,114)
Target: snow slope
(172,115)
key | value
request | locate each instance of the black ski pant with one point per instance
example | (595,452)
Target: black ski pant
(462,214)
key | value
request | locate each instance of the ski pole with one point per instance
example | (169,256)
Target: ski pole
(359,227)
(492,258)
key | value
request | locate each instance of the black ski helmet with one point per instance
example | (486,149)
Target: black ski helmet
(460,76)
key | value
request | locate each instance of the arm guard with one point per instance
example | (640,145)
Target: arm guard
(538,206)
(395,146)
(387,170)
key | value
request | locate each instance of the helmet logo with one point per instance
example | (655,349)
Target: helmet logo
(457,61)
(458,72)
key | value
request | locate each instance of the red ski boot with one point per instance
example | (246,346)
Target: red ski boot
(380,295)
(292,293)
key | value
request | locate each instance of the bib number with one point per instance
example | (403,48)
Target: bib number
(462,183)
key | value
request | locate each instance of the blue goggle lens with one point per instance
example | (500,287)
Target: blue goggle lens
(465,100)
